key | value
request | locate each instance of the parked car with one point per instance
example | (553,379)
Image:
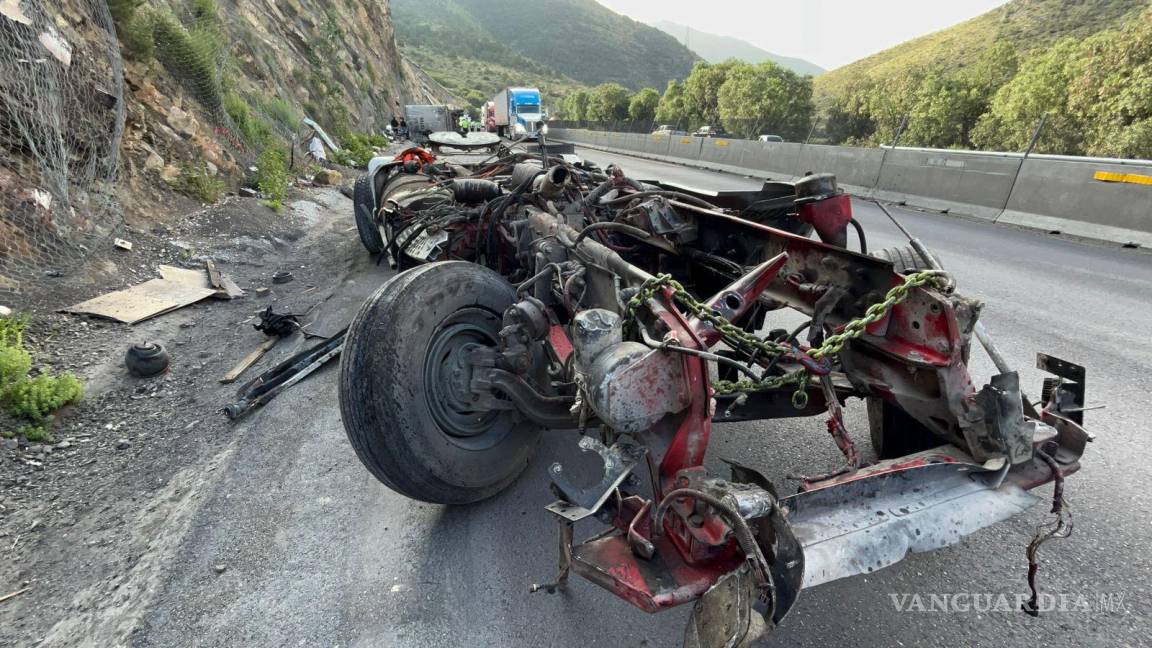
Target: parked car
(770,138)
(667,129)
(709,131)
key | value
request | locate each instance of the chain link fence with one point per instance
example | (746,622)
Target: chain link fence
(61,121)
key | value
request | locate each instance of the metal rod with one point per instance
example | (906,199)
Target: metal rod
(1019,167)
(884,156)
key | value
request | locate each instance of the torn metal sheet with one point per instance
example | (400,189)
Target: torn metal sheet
(867,524)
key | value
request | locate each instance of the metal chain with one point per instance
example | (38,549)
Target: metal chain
(831,346)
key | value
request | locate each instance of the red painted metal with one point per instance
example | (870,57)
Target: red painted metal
(561,345)
(664,581)
(828,216)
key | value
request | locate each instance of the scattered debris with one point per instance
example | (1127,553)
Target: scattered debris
(5,311)
(123,444)
(248,192)
(225,287)
(277,324)
(219,568)
(122,244)
(263,388)
(249,360)
(263,291)
(147,359)
(282,277)
(12,595)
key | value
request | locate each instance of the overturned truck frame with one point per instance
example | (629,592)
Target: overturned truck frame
(542,293)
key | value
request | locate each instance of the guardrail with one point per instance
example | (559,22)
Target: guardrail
(1096,198)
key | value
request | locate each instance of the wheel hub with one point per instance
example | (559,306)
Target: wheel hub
(448,374)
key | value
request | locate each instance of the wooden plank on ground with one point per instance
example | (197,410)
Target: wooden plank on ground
(225,287)
(249,360)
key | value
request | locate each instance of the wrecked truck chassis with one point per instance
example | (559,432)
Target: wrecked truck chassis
(592,336)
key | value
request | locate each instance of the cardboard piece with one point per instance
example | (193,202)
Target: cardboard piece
(219,282)
(185,276)
(143,301)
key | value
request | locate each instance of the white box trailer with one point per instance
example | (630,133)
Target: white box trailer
(425,119)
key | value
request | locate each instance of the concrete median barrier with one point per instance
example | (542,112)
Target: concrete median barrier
(977,185)
(1099,200)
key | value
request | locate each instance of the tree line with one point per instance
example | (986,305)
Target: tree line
(745,99)
(1095,94)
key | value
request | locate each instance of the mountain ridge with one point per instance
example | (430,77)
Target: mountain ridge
(716,48)
(607,48)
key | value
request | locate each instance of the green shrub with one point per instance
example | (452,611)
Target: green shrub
(280,111)
(30,399)
(197,183)
(34,398)
(134,27)
(272,174)
(358,149)
(254,130)
(193,57)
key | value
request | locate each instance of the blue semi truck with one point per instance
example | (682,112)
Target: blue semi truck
(516,113)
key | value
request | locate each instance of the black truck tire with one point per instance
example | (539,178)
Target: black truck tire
(905,258)
(364,204)
(402,412)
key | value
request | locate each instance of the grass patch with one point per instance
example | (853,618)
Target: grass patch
(255,131)
(195,182)
(358,149)
(31,400)
(279,111)
(193,55)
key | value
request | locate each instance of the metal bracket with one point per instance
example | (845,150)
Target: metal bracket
(1072,385)
(619,460)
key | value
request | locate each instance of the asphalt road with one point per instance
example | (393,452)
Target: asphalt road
(317,553)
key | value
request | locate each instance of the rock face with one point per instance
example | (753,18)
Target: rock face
(338,61)
(136,115)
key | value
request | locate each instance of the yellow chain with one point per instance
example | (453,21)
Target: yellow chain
(831,346)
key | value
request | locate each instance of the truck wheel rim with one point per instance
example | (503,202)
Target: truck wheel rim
(446,375)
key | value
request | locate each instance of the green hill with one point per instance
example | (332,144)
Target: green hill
(1026,25)
(717,49)
(1080,67)
(557,42)
(454,49)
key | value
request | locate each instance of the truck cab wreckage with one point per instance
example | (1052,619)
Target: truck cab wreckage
(538,293)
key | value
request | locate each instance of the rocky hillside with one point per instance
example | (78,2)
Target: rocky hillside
(139,110)
(251,69)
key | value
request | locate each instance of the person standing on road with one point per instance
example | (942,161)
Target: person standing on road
(403,128)
(394,124)
(465,124)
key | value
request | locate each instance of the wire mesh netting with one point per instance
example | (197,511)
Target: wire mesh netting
(61,120)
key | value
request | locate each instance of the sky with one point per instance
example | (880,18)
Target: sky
(829,33)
